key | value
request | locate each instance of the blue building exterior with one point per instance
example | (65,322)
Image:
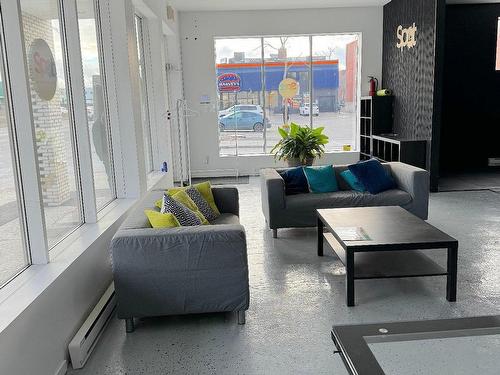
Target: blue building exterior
(325,79)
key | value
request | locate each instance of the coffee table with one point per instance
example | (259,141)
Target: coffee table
(393,250)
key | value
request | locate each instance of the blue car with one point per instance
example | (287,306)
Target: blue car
(243,121)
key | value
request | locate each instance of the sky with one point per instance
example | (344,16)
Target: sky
(297,46)
(88,43)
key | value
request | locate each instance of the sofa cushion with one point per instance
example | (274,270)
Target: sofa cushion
(321,179)
(295,181)
(184,215)
(226,218)
(353,182)
(348,198)
(373,176)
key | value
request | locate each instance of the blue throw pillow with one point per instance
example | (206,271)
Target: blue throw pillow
(321,179)
(373,176)
(352,181)
(295,181)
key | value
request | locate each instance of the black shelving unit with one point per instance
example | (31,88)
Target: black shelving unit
(376,118)
(377,140)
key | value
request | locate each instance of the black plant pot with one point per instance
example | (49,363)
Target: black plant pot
(295,162)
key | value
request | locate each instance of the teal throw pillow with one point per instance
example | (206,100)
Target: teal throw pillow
(352,181)
(321,179)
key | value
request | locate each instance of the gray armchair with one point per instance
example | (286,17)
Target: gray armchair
(282,211)
(184,270)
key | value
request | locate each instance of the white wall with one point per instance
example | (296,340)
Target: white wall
(198,65)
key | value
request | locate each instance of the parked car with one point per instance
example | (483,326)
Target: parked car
(243,121)
(242,107)
(304,109)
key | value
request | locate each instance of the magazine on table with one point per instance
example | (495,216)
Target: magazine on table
(351,233)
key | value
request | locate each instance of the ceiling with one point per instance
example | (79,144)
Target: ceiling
(207,5)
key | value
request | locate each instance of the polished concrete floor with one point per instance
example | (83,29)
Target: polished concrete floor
(296,297)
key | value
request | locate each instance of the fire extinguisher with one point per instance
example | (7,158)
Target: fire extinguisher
(373,86)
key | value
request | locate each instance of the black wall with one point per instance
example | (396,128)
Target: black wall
(470,131)
(414,74)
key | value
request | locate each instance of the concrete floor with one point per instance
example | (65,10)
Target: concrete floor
(296,297)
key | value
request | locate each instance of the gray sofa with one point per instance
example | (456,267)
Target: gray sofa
(182,270)
(291,211)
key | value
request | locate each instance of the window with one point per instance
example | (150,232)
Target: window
(13,253)
(52,121)
(146,123)
(95,100)
(322,70)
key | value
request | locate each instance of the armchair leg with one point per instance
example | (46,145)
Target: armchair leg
(129,325)
(275,233)
(241,317)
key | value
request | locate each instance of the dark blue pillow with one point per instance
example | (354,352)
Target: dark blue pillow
(295,181)
(373,176)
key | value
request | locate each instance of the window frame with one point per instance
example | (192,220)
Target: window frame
(102,71)
(356,127)
(12,134)
(140,23)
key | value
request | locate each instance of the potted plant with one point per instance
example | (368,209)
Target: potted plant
(300,145)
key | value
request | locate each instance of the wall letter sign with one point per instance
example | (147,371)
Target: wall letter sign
(406,37)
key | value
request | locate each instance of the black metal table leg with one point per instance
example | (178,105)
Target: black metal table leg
(451,278)
(320,237)
(349,277)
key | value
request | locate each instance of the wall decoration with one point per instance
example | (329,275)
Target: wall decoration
(42,69)
(407,37)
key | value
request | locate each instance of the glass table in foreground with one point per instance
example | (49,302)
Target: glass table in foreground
(448,346)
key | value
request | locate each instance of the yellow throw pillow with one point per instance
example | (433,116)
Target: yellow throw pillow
(182,197)
(205,190)
(159,203)
(159,220)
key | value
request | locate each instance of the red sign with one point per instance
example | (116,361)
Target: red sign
(229,82)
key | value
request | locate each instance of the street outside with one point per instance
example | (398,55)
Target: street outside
(340,127)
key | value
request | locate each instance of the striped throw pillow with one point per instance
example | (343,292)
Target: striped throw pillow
(201,203)
(184,215)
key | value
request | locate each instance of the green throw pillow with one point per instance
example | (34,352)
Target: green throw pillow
(159,220)
(205,190)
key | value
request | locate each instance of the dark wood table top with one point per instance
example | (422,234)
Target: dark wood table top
(389,228)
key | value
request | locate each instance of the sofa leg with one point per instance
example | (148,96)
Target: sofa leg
(129,325)
(275,233)
(241,317)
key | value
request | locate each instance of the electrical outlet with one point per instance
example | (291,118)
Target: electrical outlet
(207,160)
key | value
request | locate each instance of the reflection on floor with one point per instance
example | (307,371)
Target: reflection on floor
(296,297)
(481,180)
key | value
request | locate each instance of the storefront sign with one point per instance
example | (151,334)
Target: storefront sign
(229,82)
(288,88)
(407,37)
(42,69)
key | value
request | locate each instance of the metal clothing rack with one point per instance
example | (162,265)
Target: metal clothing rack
(182,115)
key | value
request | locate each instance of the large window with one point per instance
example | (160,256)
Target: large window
(146,124)
(13,254)
(55,139)
(322,70)
(95,101)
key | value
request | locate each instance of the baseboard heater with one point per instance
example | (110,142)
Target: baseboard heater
(87,336)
